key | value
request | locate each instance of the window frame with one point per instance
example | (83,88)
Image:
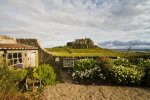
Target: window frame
(68,63)
(15,57)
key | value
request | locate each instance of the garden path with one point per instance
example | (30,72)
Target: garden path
(70,91)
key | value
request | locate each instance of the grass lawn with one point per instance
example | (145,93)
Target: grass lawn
(69,52)
(82,52)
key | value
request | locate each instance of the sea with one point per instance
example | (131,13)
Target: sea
(132,50)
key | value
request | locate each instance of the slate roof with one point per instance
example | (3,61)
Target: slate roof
(17,47)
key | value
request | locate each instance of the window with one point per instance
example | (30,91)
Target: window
(14,58)
(68,62)
(19,55)
(14,55)
(9,56)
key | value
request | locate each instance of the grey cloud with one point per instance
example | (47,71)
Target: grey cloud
(69,19)
(126,44)
(119,11)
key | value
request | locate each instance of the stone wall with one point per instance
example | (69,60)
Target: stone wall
(7,40)
(43,55)
(59,64)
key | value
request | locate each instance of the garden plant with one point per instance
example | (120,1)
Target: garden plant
(120,71)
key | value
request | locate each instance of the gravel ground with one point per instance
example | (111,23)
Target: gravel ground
(70,91)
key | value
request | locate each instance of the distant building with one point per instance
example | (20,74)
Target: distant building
(81,44)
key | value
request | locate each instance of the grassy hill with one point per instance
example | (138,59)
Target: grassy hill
(63,51)
(101,52)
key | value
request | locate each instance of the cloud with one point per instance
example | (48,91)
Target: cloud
(134,44)
(65,20)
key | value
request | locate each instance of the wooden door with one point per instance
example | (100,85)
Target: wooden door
(32,59)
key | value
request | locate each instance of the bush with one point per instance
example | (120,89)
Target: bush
(125,75)
(18,75)
(126,71)
(118,71)
(30,72)
(87,70)
(104,64)
(146,65)
(83,64)
(10,78)
(45,73)
(136,61)
(121,61)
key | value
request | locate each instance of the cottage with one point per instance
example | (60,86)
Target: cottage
(19,55)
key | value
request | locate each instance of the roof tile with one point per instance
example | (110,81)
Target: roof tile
(16,47)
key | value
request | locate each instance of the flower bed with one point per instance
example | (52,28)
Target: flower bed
(119,71)
(86,70)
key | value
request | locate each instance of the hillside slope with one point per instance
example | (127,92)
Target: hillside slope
(63,51)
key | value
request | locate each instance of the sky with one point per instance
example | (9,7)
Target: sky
(109,23)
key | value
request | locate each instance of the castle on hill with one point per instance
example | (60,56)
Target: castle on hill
(81,44)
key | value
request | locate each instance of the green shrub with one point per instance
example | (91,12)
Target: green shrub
(126,71)
(146,65)
(83,64)
(10,78)
(136,61)
(87,71)
(104,64)
(125,75)
(45,73)
(30,72)
(18,75)
(119,71)
(121,61)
